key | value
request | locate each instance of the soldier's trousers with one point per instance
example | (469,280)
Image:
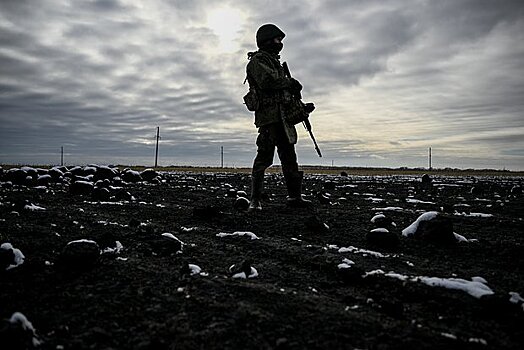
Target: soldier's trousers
(269,137)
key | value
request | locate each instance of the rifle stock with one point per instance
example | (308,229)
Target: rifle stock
(306,123)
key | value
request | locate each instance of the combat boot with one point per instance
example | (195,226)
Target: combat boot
(294,190)
(257,184)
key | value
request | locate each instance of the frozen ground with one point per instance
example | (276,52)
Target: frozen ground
(171,255)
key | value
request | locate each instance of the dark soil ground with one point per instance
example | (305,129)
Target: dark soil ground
(299,300)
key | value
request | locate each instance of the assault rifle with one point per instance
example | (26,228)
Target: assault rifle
(306,123)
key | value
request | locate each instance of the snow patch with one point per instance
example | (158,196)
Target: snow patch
(238,233)
(33,207)
(477,287)
(346,264)
(364,252)
(115,250)
(252,274)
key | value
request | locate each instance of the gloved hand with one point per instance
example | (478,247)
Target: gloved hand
(309,107)
(295,85)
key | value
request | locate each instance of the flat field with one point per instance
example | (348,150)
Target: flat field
(144,297)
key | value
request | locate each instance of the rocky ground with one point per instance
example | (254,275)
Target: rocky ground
(115,259)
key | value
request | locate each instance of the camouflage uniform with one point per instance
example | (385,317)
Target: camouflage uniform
(266,75)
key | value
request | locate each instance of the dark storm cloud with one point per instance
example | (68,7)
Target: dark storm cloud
(99,76)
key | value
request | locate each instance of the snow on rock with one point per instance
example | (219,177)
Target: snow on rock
(10,257)
(432,226)
(461,238)
(238,233)
(377,217)
(411,229)
(80,253)
(18,322)
(380,230)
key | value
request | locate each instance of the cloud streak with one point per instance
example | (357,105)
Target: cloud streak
(389,79)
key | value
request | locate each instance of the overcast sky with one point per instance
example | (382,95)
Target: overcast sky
(389,78)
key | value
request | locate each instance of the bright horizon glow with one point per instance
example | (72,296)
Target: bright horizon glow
(226,23)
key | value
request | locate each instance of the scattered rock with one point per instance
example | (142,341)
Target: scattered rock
(432,226)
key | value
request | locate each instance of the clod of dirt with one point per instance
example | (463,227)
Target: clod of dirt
(7,258)
(241,203)
(437,230)
(426,179)
(382,221)
(18,333)
(315,224)
(343,173)
(100,194)
(171,244)
(206,211)
(131,176)
(243,270)
(80,254)
(329,185)
(350,274)
(123,195)
(432,227)
(382,237)
(149,174)
(81,188)
(323,197)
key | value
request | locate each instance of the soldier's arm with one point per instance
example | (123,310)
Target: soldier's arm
(266,77)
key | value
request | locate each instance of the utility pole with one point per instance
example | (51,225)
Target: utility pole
(221,156)
(430,158)
(62,156)
(157,137)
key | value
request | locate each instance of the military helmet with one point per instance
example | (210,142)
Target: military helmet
(268,32)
